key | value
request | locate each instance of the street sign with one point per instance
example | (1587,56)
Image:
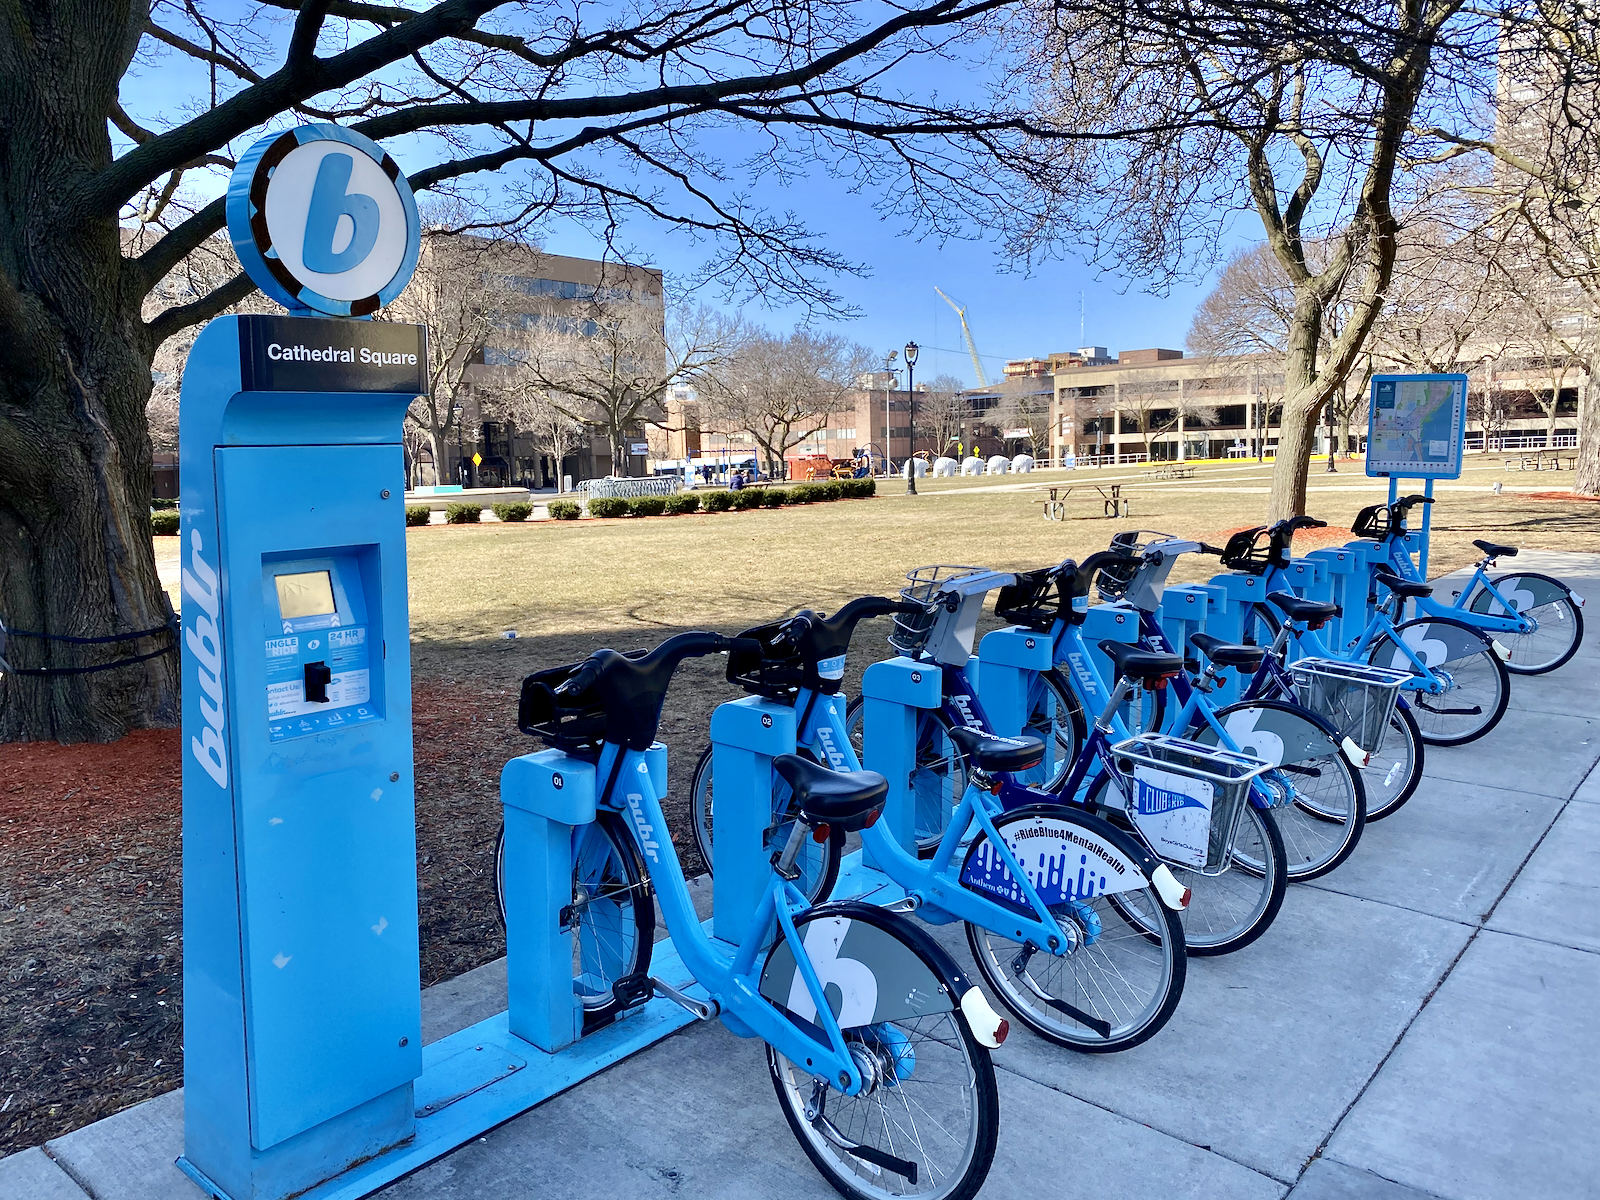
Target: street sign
(1416,426)
(477,459)
(323,221)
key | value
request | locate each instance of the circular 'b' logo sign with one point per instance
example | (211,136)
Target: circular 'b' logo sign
(323,221)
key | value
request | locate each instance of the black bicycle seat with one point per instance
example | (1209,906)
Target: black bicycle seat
(1227,654)
(846,800)
(1135,662)
(1494,551)
(990,753)
(1402,587)
(1297,609)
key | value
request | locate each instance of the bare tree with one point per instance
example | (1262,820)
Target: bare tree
(597,115)
(943,412)
(1298,113)
(534,412)
(1156,406)
(1544,146)
(607,362)
(1542,321)
(461,297)
(781,389)
(1026,414)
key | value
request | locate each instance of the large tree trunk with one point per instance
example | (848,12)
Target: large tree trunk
(1302,405)
(1587,482)
(75,468)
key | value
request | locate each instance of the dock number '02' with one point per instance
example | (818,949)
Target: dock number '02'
(323,221)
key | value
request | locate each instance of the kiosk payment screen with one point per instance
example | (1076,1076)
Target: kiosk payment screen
(318,644)
(308,594)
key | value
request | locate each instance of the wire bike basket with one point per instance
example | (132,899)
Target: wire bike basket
(1187,798)
(912,630)
(1354,698)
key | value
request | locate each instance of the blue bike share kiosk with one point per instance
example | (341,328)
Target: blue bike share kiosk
(304,1070)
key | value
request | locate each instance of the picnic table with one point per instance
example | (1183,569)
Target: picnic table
(1171,471)
(1539,460)
(1055,504)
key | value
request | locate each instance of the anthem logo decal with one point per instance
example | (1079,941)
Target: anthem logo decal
(323,221)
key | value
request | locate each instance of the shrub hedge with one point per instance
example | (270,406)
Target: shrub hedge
(418,514)
(463,514)
(608,506)
(647,506)
(774,498)
(159,504)
(747,498)
(517,510)
(719,501)
(563,510)
(164,521)
(682,502)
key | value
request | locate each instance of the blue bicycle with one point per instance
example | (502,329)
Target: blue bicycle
(1071,921)
(1459,688)
(1538,619)
(877,1043)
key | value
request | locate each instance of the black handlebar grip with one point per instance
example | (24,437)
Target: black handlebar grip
(1408,501)
(1207,548)
(580,680)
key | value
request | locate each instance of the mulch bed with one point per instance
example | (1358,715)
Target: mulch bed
(91,874)
(1562,496)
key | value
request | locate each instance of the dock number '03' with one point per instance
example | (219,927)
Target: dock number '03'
(323,221)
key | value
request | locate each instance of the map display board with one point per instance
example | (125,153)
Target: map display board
(1416,425)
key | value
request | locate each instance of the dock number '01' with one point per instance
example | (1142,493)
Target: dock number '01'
(323,221)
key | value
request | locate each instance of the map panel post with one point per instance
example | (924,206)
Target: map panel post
(1416,426)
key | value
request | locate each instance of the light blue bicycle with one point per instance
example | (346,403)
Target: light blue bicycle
(877,1043)
(1089,951)
(1460,686)
(1538,619)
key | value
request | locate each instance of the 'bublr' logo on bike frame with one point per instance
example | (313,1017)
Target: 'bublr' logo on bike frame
(323,221)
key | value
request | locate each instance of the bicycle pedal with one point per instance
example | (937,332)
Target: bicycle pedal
(632,991)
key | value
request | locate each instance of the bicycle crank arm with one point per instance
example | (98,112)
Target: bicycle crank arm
(705,1010)
(1019,970)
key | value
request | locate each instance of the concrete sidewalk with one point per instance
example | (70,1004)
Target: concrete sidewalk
(1421,1023)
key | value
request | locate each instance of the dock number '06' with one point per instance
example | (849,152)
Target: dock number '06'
(323,221)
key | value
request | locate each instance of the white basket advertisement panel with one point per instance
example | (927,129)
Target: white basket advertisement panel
(1173,812)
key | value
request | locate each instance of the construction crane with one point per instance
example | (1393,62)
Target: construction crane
(966,332)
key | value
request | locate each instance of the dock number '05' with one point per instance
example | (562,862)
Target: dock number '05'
(323,221)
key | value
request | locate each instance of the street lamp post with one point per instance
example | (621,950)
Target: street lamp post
(1331,467)
(911,418)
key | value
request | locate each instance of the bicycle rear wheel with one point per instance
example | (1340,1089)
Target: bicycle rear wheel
(925,1125)
(1228,911)
(612,916)
(1120,980)
(1547,601)
(1392,774)
(818,864)
(939,779)
(1478,687)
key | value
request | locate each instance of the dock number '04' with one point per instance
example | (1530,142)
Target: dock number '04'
(323,221)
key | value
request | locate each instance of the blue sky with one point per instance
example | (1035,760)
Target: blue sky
(1013,315)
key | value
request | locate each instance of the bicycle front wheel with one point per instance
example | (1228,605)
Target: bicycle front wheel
(1228,911)
(938,780)
(1120,979)
(1559,621)
(1055,715)
(1477,685)
(925,1125)
(818,864)
(612,916)
(1392,774)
